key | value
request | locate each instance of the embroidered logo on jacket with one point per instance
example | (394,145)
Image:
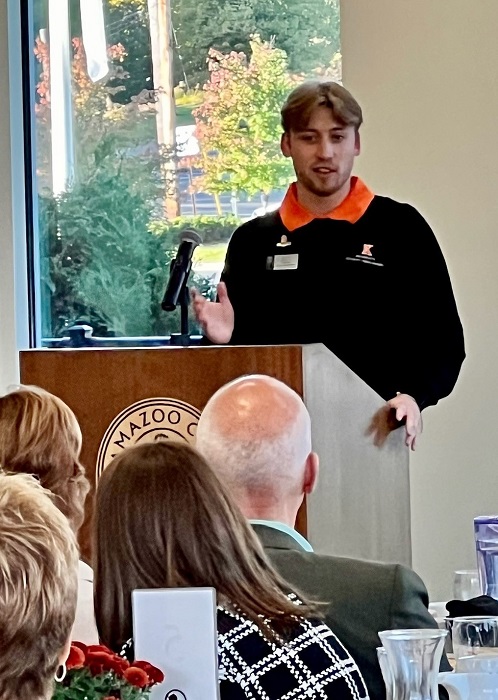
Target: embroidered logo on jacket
(366,256)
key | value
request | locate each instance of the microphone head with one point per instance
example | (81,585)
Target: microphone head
(191,235)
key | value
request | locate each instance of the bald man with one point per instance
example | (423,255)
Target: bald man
(256,433)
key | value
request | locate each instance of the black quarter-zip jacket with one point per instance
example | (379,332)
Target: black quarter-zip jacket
(376,292)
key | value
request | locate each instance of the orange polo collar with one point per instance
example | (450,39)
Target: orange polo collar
(294,215)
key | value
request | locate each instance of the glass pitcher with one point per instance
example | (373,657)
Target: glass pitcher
(486,536)
(413,658)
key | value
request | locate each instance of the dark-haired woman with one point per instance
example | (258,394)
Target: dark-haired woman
(163,520)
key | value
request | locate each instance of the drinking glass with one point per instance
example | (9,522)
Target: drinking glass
(413,657)
(466,584)
(475,644)
(386,672)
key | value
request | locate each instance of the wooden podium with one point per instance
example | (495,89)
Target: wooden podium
(361,507)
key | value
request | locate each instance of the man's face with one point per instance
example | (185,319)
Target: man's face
(323,153)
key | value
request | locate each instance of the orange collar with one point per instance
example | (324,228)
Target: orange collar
(294,215)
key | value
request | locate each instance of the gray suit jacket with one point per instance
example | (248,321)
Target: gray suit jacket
(363,598)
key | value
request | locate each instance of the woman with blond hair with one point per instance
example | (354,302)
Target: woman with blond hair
(40,435)
(164,520)
(38,546)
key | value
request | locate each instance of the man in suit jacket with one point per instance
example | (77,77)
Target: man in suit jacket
(256,433)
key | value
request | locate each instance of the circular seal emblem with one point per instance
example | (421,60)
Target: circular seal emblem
(147,421)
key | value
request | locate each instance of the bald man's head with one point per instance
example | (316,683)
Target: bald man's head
(256,434)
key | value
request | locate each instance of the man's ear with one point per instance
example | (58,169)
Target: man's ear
(285,144)
(357,143)
(311,473)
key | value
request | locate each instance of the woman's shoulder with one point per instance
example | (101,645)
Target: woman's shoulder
(310,656)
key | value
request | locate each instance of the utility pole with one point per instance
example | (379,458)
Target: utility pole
(161,34)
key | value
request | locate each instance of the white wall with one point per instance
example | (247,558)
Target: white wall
(426,75)
(13,295)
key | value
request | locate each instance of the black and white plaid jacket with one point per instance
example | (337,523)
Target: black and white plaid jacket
(311,664)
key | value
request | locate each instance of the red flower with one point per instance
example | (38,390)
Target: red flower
(155,674)
(81,646)
(100,661)
(100,657)
(119,665)
(136,676)
(98,647)
(76,658)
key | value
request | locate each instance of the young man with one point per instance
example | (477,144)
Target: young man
(338,265)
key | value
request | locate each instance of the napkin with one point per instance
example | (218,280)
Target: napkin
(482,605)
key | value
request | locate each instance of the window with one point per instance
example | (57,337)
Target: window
(149,118)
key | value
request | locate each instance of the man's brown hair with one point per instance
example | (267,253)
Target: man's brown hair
(304,99)
(39,435)
(164,520)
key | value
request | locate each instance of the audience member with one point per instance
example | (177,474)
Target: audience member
(163,519)
(255,432)
(38,589)
(39,435)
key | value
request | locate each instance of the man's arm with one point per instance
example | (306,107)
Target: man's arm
(433,340)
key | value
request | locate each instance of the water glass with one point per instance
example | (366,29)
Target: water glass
(466,584)
(413,657)
(475,644)
(386,672)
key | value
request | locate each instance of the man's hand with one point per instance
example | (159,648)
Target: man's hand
(406,408)
(215,317)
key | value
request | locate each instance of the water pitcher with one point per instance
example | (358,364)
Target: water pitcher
(486,534)
(413,658)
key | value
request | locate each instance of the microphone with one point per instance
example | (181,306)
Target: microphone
(180,268)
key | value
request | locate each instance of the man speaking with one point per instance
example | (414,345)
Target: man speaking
(338,265)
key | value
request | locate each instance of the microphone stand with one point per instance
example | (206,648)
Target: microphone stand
(182,338)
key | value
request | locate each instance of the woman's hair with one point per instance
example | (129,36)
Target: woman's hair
(38,587)
(39,435)
(164,520)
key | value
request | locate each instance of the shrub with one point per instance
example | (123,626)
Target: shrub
(212,229)
(103,263)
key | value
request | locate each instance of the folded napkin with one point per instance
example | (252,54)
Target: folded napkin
(482,605)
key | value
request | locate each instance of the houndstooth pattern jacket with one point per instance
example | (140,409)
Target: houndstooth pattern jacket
(311,664)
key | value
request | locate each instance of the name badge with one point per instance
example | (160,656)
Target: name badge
(286,262)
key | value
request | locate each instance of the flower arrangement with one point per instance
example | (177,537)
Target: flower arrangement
(96,673)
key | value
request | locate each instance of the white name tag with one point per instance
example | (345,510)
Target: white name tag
(286,262)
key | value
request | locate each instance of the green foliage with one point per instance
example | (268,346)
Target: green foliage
(238,124)
(127,23)
(100,262)
(85,685)
(308,32)
(128,3)
(212,229)
(191,98)
(98,249)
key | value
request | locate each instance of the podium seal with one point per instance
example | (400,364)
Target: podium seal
(148,420)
